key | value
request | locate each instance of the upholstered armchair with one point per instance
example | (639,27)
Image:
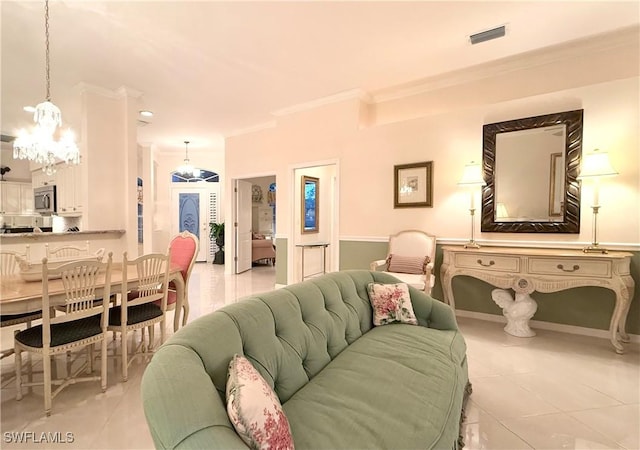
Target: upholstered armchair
(184,250)
(410,258)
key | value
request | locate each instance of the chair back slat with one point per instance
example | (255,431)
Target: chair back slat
(80,281)
(80,287)
(9,261)
(67,251)
(151,285)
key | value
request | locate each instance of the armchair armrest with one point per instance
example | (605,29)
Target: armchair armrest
(375,265)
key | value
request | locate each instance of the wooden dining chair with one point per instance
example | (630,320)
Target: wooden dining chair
(66,251)
(83,324)
(184,249)
(8,268)
(140,311)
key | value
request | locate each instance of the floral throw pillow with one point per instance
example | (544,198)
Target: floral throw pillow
(391,303)
(254,409)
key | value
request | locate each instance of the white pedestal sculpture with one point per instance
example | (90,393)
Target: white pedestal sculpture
(518,312)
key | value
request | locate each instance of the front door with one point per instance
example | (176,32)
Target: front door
(190,209)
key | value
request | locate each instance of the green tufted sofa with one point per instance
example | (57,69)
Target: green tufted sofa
(343,383)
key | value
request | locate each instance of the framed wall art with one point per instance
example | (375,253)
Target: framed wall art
(413,185)
(310,204)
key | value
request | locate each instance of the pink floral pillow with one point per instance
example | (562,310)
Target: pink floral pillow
(391,303)
(254,409)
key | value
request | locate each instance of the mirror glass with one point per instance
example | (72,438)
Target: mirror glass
(310,206)
(529,158)
(530,166)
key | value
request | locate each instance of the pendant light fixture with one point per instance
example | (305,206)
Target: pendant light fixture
(40,145)
(186,170)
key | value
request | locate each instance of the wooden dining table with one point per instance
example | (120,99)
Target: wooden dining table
(18,296)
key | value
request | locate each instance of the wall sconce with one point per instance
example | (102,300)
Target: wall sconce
(596,165)
(472,178)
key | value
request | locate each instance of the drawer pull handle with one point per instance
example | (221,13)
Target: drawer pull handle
(491,263)
(575,267)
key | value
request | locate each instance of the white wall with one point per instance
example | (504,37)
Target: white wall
(444,125)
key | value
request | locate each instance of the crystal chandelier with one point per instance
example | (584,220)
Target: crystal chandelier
(186,169)
(40,145)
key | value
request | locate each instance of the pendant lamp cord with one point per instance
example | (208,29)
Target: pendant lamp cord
(46,35)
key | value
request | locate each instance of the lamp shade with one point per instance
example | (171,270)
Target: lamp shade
(596,164)
(472,175)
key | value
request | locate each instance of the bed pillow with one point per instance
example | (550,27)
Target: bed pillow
(254,409)
(407,264)
(391,303)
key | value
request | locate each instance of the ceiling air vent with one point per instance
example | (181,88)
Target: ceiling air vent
(483,36)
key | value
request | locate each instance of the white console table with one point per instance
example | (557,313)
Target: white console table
(526,270)
(322,245)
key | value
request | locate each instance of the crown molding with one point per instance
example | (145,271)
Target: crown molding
(353,94)
(573,49)
(251,129)
(561,52)
(83,87)
(122,91)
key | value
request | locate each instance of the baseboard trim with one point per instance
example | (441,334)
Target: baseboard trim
(562,328)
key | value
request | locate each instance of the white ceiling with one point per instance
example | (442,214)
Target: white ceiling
(209,69)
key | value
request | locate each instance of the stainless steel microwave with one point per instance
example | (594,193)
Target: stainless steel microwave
(44,200)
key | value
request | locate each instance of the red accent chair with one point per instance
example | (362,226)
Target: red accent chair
(184,248)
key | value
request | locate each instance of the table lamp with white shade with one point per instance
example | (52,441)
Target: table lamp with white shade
(596,165)
(472,178)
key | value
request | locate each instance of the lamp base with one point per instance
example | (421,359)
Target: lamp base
(595,248)
(471,244)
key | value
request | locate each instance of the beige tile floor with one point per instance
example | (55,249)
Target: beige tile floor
(553,391)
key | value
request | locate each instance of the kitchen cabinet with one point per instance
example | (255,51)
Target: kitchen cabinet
(39,179)
(26,198)
(16,198)
(68,182)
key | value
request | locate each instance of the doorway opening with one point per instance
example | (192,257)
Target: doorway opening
(314,247)
(194,205)
(255,223)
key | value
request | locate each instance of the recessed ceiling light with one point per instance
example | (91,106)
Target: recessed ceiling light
(146,113)
(29,109)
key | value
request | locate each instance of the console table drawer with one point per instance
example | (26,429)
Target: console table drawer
(489,262)
(575,267)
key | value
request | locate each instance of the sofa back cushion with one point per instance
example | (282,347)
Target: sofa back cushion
(290,334)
